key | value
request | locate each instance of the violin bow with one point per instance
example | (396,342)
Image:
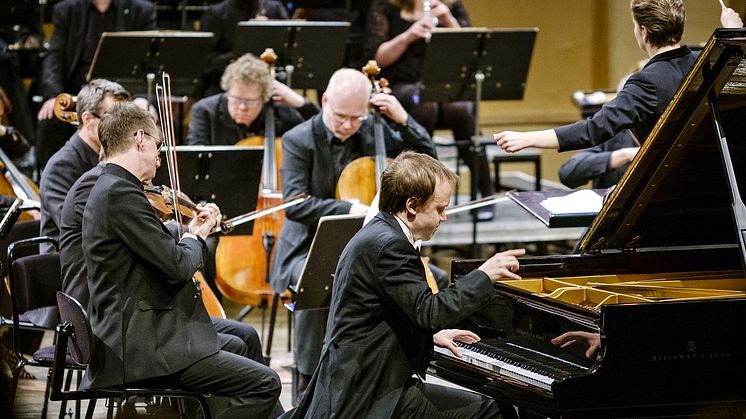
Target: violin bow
(165,110)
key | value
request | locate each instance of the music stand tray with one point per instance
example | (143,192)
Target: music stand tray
(314,287)
(531,202)
(453,57)
(226,175)
(311,51)
(128,58)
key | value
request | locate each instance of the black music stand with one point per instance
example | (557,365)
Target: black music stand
(314,287)
(136,59)
(308,52)
(226,175)
(476,64)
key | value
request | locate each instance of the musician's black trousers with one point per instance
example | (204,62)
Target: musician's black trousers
(425,400)
(240,387)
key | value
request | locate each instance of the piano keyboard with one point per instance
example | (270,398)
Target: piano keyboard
(509,360)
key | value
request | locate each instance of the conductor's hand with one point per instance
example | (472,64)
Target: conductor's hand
(390,107)
(503,264)
(284,95)
(47,110)
(729,18)
(512,141)
(206,219)
(567,339)
(420,29)
(445,339)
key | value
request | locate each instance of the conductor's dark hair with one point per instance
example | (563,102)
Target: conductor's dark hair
(663,19)
(411,175)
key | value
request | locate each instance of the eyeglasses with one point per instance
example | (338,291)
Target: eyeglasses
(352,119)
(238,101)
(158,141)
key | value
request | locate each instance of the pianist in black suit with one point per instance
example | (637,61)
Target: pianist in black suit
(658,27)
(384,317)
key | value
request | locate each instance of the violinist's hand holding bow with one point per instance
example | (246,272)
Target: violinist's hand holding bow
(390,107)
(206,219)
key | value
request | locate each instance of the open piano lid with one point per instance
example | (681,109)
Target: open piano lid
(682,188)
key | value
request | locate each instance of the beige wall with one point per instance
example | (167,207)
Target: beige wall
(581,45)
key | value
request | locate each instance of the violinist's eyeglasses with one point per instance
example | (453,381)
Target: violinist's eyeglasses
(158,141)
(238,101)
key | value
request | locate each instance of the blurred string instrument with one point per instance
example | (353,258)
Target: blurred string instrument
(241,274)
(360,179)
(163,93)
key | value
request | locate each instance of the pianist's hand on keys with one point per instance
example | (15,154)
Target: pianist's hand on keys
(445,339)
(503,264)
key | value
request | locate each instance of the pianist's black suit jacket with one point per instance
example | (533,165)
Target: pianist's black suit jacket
(638,106)
(144,308)
(381,324)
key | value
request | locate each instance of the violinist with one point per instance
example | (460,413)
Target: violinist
(228,117)
(314,154)
(241,338)
(140,281)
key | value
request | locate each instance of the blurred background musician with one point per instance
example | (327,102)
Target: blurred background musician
(12,140)
(79,154)
(222,19)
(603,165)
(314,155)
(78,25)
(226,118)
(397,33)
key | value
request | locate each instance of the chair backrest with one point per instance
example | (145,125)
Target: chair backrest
(18,231)
(34,281)
(80,343)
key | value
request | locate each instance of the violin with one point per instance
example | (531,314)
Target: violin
(64,108)
(361,178)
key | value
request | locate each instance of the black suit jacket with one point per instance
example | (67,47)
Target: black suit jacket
(307,168)
(61,171)
(592,164)
(145,310)
(381,324)
(69,19)
(638,106)
(211,124)
(72,262)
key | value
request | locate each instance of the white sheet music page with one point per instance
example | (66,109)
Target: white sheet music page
(581,202)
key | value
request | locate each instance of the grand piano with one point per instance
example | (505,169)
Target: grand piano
(659,275)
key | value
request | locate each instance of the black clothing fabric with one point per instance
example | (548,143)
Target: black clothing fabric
(638,106)
(211,124)
(63,169)
(385,23)
(307,168)
(592,164)
(97,23)
(222,19)
(380,331)
(65,52)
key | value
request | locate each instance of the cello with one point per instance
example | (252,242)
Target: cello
(361,178)
(241,274)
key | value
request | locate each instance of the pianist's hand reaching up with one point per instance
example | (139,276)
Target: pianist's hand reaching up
(445,339)
(503,264)
(567,339)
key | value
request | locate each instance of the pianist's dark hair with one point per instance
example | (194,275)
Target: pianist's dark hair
(411,175)
(664,20)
